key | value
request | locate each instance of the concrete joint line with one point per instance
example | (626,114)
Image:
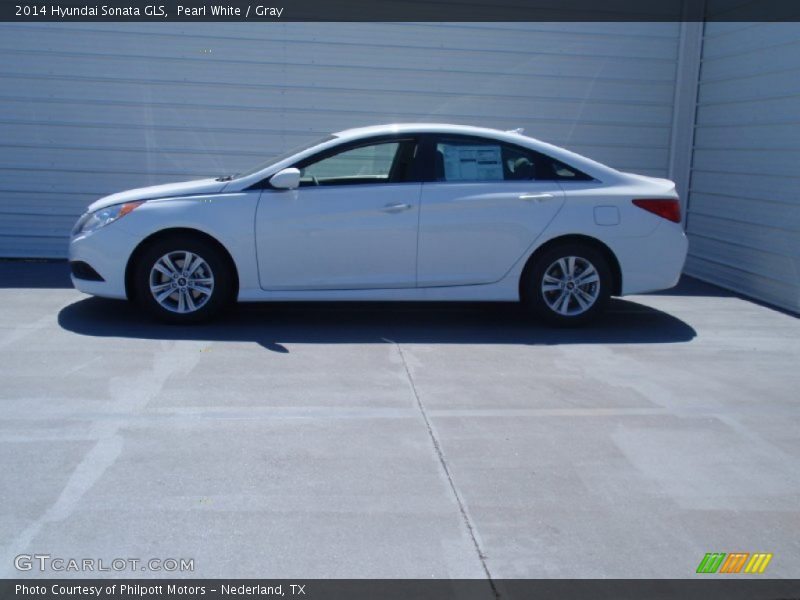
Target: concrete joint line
(443,463)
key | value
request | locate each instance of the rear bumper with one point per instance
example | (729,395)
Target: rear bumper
(655,262)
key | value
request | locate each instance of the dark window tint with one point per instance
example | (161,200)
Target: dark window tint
(485,160)
(566,173)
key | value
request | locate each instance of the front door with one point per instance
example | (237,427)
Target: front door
(352,223)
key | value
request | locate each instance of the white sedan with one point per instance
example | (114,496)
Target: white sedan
(394,212)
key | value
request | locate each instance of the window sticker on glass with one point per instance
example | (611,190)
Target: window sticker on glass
(472,163)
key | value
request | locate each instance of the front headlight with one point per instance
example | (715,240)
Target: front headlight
(103,216)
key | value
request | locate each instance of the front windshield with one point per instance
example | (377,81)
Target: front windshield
(280,157)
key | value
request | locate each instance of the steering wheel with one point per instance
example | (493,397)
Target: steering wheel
(315,180)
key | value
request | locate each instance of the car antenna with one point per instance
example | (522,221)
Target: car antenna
(517,130)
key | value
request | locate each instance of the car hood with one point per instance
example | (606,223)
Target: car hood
(167,190)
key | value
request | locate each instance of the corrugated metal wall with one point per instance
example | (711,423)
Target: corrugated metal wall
(89,109)
(744,205)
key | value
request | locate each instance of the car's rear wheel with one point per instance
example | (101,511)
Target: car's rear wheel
(568,284)
(182,279)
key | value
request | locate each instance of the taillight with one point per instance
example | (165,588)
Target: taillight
(667,208)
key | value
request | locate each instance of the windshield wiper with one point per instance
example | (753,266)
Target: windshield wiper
(224,178)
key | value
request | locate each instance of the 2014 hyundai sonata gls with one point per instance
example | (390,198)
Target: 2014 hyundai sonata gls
(395,212)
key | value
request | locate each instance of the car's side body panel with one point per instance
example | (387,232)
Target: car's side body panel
(340,237)
(220,216)
(473,233)
(650,250)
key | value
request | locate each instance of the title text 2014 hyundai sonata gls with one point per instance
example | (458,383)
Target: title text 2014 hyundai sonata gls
(394,212)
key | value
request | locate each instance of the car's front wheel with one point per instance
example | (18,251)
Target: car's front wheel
(182,279)
(569,284)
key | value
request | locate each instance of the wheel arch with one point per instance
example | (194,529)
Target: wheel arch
(613,261)
(130,288)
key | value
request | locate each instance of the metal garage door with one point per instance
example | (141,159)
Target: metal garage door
(86,110)
(744,207)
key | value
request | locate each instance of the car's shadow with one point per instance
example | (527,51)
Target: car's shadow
(276,325)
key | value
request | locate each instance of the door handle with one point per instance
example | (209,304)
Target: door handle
(396,207)
(538,197)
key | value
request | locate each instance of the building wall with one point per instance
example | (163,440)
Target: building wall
(89,109)
(744,206)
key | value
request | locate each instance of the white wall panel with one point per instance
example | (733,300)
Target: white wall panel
(744,205)
(86,110)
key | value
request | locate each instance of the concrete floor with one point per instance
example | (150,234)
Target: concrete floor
(402,440)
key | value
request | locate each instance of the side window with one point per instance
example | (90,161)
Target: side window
(483,160)
(373,163)
(566,173)
(521,165)
(468,161)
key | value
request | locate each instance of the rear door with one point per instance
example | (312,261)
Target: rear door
(486,205)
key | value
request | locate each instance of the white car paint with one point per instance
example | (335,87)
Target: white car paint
(473,233)
(406,241)
(167,190)
(345,237)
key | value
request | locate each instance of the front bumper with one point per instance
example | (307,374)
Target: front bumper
(106,251)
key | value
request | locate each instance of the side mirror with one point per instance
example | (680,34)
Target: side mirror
(286,179)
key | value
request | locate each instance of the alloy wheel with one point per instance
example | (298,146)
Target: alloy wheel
(181,281)
(570,286)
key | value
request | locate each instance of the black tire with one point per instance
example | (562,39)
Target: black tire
(540,302)
(215,268)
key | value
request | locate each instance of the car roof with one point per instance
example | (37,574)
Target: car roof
(390,128)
